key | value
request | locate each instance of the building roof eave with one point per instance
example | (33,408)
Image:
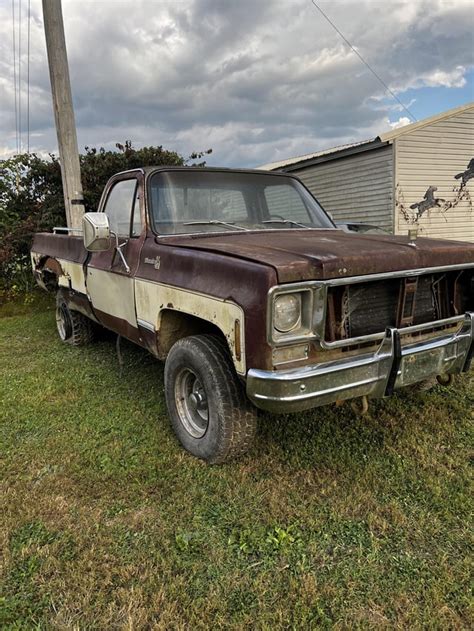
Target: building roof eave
(370,145)
(393,134)
(384,139)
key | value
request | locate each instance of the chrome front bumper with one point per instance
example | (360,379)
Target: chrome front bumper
(378,374)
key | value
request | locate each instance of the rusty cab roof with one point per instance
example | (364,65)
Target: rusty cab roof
(149,170)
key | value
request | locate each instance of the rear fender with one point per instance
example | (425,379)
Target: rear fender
(47,271)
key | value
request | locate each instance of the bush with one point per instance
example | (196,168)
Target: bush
(31,198)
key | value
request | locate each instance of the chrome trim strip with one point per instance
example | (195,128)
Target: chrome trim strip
(362,339)
(146,325)
(315,395)
(419,327)
(218,233)
(414,272)
(325,368)
(63,229)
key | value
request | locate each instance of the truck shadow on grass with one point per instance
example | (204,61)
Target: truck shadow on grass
(130,405)
(330,436)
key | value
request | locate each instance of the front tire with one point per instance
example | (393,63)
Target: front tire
(209,412)
(73,327)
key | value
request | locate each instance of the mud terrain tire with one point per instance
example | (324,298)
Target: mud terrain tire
(207,405)
(73,327)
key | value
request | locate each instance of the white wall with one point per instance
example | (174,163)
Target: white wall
(432,156)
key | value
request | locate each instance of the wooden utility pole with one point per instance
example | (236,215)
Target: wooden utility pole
(63,112)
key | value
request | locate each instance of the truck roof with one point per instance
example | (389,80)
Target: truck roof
(151,169)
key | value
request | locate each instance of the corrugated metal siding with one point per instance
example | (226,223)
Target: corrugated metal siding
(358,188)
(432,156)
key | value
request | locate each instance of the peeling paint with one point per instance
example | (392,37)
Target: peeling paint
(150,297)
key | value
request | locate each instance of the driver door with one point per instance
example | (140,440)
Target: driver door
(111,287)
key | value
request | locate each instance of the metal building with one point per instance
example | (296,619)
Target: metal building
(418,175)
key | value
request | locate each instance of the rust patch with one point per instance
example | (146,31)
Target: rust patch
(51,265)
(174,325)
(299,255)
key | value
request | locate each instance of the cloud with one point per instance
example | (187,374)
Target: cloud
(453,79)
(256,81)
(401,122)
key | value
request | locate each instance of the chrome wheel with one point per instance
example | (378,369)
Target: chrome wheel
(191,403)
(63,323)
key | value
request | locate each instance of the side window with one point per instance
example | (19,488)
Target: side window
(118,206)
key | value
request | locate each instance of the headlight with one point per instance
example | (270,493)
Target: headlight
(287,312)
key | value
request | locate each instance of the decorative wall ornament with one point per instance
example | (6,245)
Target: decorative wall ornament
(413,213)
(466,175)
(429,201)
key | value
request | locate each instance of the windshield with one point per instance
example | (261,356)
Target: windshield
(216,201)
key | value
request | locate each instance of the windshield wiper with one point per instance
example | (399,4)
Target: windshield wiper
(215,222)
(287,221)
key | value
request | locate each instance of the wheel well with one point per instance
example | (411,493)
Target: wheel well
(174,325)
(47,272)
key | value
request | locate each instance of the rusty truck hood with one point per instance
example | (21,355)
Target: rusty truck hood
(321,254)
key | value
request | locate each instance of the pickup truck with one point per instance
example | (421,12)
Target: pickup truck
(242,283)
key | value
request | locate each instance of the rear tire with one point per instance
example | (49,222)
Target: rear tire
(73,327)
(207,405)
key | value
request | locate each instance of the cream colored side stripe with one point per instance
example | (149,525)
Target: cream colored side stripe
(153,298)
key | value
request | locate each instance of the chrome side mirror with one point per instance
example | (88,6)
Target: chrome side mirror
(96,232)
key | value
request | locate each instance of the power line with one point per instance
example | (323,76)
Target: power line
(19,74)
(412,116)
(28,82)
(14,74)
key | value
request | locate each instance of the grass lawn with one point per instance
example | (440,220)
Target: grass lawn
(332,521)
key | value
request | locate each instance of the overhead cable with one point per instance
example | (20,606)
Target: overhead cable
(378,77)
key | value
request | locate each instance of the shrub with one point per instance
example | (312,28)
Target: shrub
(31,197)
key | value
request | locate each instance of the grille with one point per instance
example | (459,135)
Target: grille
(371,308)
(425,310)
(367,308)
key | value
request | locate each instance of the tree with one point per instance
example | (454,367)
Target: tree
(31,198)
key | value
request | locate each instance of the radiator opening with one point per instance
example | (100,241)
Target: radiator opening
(368,308)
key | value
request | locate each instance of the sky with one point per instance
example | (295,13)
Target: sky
(255,80)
